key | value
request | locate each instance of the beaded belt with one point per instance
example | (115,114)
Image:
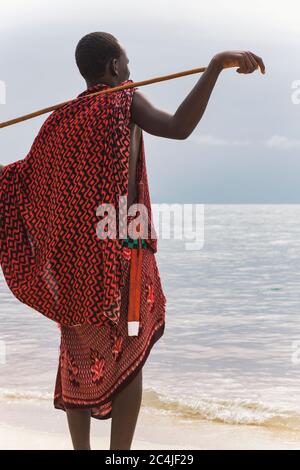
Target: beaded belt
(133,242)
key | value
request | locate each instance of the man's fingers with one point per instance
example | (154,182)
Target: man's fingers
(242,67)
(259,61)
(245,64)
(254,63)
(249,64)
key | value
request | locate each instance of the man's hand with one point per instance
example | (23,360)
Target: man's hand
(246,61)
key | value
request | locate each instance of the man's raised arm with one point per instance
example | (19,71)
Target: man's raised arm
(181,124)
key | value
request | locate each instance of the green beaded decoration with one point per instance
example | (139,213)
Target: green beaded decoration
(133,242)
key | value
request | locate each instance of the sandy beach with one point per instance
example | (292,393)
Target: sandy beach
(37,426)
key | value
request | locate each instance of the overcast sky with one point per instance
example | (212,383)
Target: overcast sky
(246,148)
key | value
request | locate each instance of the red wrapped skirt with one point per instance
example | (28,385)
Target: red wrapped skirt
(96,362)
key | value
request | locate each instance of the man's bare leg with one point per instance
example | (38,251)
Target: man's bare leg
(125,411)
(79,421)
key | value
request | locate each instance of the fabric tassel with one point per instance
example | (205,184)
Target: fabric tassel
(135,291)
(135,280)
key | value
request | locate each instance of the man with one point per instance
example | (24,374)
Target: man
(113,70)
(86,349)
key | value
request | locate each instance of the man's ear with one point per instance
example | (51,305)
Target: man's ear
(114,67)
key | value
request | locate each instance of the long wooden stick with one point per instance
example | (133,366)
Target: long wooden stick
(108,90)
(116,88)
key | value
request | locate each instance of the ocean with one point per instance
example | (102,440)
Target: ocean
(230,352)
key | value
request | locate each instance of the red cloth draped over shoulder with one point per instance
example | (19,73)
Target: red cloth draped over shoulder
(51,256)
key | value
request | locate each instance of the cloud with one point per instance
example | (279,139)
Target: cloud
(216,14)
(210,140)
(282,142)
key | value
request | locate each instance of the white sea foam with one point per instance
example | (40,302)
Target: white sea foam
(243,412)
(16,395)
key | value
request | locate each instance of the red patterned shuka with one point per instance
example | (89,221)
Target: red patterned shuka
(54,261)
(51,255)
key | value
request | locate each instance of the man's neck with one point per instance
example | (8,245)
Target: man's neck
(106,81)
